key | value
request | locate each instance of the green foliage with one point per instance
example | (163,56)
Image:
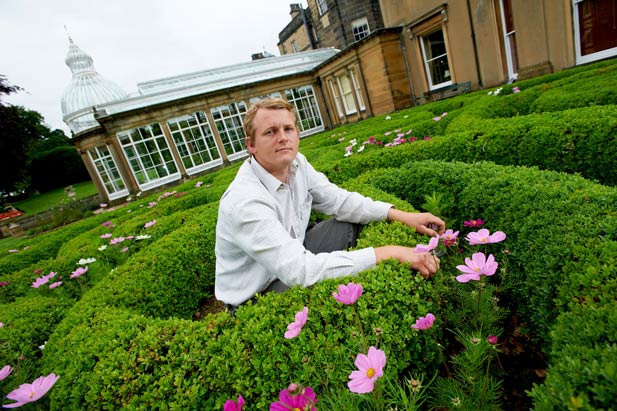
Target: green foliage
(125,335)
(46,175)
(583,367)
(28,323)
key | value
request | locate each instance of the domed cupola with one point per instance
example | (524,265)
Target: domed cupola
(86,90)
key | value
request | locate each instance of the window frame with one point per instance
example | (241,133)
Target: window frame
(143,148)
(346,96)
(229,127)
(322,6)
(358,24)
(337,98)
(426,61)
(194,141)
(102,164)
(307,110)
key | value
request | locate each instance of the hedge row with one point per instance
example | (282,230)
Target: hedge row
(582,141)
(179,364)
(562,238)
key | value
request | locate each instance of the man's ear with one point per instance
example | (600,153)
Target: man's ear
(249,145)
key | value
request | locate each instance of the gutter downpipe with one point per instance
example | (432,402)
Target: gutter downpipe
(475,46)
(414,100)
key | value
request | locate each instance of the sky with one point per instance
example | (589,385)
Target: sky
(130,41)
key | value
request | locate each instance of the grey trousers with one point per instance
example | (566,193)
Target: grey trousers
(324,237)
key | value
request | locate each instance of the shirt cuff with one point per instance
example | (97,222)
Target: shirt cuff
(383,209)
(363,259)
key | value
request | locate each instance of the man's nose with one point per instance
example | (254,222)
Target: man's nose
(282,136)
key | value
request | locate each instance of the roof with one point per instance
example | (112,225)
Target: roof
(206,81)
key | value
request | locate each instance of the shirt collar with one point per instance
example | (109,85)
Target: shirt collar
(268,180)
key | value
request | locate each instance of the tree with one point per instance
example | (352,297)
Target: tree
(32,153)
(54,162)
(19,129)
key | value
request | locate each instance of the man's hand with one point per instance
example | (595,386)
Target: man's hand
(424,223)
(425,263)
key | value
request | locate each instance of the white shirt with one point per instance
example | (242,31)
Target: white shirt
(261,226)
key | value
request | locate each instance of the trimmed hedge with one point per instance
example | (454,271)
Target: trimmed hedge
(582,141)
(122,336)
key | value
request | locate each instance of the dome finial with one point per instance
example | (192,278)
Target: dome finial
(67,34)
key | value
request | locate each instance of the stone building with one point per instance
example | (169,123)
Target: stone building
(489,42)
(183,126)
(329,23)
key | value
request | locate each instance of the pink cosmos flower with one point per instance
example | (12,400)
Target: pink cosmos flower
(303,399)
(412,139)
(483,236)
(79,272)
(294,328)
(432,244)
(4,283)
(106,235)
(107,224)
(124,250)
(103,205)
(426,138)
(149,224)
(449,237)
(230,405)
(198,184)
(424,323)
(1,324)
(437,118)
(5,371)
(370,368)
(116,240)
(31,392)
(54,285)
(476,266)
(515,89)
(13,251)
(152,203)
(40,281)
(348,294)
(492,339)
(37,271)
(474,223)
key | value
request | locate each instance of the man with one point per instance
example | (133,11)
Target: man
(262,242)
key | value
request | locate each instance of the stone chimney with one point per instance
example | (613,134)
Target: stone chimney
(296,8)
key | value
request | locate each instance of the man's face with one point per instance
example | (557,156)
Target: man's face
(276,141)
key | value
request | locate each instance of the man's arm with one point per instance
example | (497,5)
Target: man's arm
(424,223)
(425,263)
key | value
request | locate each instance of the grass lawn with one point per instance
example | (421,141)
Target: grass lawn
(51,199)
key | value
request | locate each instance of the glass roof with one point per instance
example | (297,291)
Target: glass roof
(191,84)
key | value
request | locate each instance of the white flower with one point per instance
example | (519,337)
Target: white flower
(42,347)
(86,261)
(348,153)
(138,194)
(101,248)
(353,142)
(388,117)
(142,237)
(361,149)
